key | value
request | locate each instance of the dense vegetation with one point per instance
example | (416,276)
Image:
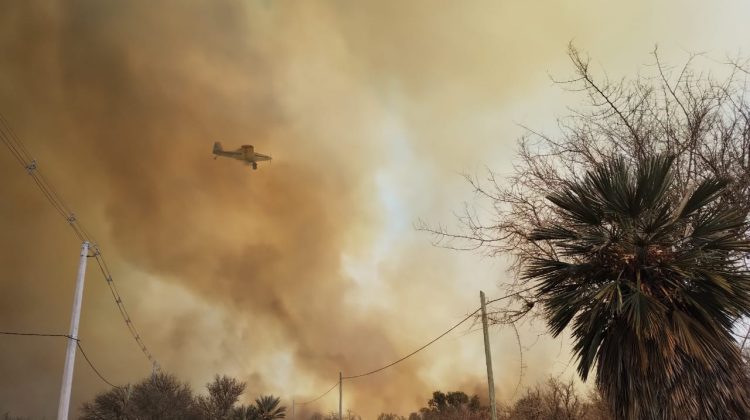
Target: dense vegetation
(551,400)
(163,397)
(651,281)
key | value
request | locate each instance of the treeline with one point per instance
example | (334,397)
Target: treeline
(163,397)
(557,400)
(551,400)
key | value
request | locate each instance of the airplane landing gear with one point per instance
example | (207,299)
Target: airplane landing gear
(255,165)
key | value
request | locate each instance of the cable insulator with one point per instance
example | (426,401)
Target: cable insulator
(31,167)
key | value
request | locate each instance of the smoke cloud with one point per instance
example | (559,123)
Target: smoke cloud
(308,266)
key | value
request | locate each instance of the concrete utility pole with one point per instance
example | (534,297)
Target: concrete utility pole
(70,356)
(341,394)
(488,357)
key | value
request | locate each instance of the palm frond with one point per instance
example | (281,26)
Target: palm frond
(553,233)
(707,191)
(710,223)
(650,286)
(653,180)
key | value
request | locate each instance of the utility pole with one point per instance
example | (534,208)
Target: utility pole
(488,357)
(292,409)
(70,356)
(341,394)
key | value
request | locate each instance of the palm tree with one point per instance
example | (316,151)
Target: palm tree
(268,408)
(245,412)
(651,282)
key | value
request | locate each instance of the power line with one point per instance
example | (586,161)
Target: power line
(516,293)
(335,384)
(9,129)
(34,334)
(19,151)
(415,351)
(446,332)
(104,268)
(78,343)
(22,155)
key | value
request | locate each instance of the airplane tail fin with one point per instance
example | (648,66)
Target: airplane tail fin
(217,147)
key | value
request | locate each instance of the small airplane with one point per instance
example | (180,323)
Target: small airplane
(245,153)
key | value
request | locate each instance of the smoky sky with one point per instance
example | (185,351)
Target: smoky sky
(125,101)
(308,266)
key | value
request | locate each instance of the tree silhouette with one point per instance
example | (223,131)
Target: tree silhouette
(163,397)
(268,408)
(223,394)
(700,121)
(651,284)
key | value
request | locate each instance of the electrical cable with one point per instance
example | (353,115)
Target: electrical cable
(446,332)
(320,396)
(415,351)
(436,338)
(34,334)
(78,344)
(19,151)
(22,155)
(120,305)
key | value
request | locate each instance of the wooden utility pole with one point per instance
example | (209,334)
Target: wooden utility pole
(70,356)
(341,394)
(488,357)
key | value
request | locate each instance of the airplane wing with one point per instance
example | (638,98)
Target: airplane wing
(259,157)
(232,154)
(219,151)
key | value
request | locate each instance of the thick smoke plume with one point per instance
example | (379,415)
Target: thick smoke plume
(308,266)
(240,270)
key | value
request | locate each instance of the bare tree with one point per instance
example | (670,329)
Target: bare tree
(703,123)
(557,400)
(702,120)
(223,394)
(162,396)
(390,416)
